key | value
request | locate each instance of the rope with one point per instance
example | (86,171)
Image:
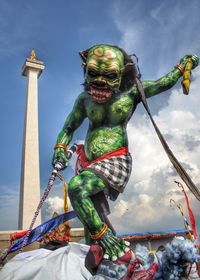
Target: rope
(46,193)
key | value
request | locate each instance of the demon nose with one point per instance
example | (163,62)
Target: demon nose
(99,83)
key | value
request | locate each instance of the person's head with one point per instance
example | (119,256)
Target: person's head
(107,70)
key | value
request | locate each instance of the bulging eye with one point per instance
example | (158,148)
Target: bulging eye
(92,73)
(112,75)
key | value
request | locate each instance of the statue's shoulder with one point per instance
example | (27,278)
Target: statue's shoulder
(82,96)
(132,91)
(83,99)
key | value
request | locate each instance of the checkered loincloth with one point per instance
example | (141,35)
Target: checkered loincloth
(115,171)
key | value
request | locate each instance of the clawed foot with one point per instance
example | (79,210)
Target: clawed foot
(113,248)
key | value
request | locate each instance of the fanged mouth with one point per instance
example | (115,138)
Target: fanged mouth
(100,95)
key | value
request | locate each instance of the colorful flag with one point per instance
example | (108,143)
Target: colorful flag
(38,232)
(191,215)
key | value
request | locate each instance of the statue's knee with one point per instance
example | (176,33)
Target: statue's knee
(75,186)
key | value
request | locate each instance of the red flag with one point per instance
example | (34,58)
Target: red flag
(16,235)
(191,215)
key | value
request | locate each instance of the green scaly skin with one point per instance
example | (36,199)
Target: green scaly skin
(107,130)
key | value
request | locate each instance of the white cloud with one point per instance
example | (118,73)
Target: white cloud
(120,208)
(55,204)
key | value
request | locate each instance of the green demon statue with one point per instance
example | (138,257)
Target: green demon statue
(109,99)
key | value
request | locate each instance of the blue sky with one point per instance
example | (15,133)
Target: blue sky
(160,33)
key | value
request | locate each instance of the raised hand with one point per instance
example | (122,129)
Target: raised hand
(187,58)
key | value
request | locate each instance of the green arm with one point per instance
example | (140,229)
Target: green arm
(152,88)
(73,121)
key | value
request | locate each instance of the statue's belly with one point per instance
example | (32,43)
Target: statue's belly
(103,140)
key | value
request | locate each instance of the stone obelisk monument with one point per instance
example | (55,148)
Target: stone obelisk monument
(30,172)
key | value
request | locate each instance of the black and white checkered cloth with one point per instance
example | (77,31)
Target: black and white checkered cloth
(114,170)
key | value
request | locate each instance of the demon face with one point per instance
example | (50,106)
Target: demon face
(103,72)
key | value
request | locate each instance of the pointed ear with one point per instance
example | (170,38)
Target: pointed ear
(83,56)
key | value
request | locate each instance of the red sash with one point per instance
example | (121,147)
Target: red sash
(84,163)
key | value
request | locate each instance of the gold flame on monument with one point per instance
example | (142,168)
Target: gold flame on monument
(32,55)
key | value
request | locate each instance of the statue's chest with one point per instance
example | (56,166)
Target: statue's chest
(114,112)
